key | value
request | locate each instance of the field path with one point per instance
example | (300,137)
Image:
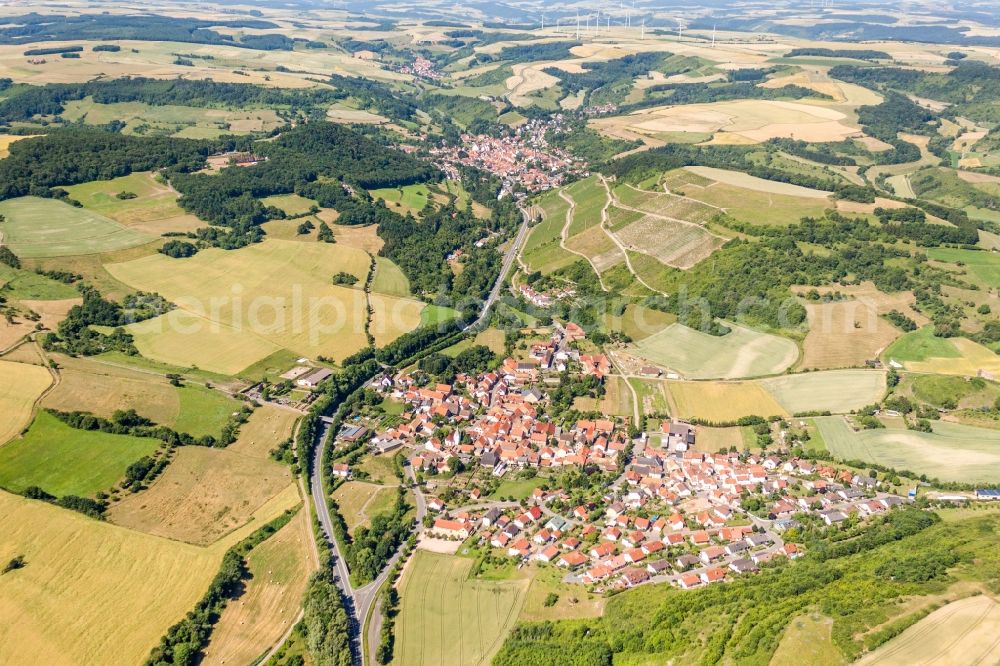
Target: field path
(617,202)
(636,407)
(564,235)
(621,246)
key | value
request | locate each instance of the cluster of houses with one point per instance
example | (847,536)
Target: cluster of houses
(521,158)
(545,299)
(675,516)
(421,67)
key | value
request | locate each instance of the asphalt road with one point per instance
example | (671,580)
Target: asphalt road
(508,261)
(359,601)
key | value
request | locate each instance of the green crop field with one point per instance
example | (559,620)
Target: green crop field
(407,199)
(837,391)
(983,267)
(65,461)
(389,278)
(542,251)
(291,204)
(203,411)
(922,351)
(153,200)
(590,197)
(37,227)
(32,286)
(952,452)
(921,345)
(446,618)
(696,355)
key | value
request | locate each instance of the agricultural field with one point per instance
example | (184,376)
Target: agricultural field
(389,278)
(721,401)
(848,332)
(36,227)
(836,391)
(5,142)
(182,121)
(737,122)
(279,569)
(87,385)
(542,251)
(713,440)
(90,385)
(448,618)
(267,427)
(590,197)
(673,243)
(695,355)
(921,351)
(407,199)
(153,210)
(20,386)
(359,501)
(597,247)
(953,452)
(982,267)
(665,204)
(638,322)
(203,494)
(290,204)
(24,284)
(756,203)
(89,584)
(65,461)
(237,307)
(962,633)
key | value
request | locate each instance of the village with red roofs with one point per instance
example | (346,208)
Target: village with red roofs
(611,506)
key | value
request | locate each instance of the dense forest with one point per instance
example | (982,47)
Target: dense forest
(857,54)
(33,27)
(26,102)
(971,87)
(78,155)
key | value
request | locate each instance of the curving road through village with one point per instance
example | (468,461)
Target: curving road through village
(359,601)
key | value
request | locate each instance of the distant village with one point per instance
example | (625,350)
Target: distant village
(523,158)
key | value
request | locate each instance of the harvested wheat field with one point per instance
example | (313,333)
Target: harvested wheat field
(20,386)
(741,353)
(962,633)
(100,388)
(741,121)
(6,140)
(237,307)
(268,426)
(96,593)
(721,401)
(846,333)
(279,570)
(745,180)
(202,495)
